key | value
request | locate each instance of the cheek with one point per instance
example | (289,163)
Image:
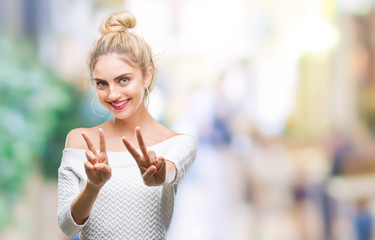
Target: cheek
(101,95)
(136,91)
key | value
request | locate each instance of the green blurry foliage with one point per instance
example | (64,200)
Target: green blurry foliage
(37,110)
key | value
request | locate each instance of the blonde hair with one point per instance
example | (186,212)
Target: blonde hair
(116,39)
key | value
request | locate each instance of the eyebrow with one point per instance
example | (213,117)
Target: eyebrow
(116,78)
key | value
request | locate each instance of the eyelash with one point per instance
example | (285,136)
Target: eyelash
(127,80)
(100,84)
(103,84)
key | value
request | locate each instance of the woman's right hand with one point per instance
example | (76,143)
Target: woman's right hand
(97,168)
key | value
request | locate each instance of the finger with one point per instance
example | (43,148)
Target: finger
(160,163)
(88,166)
(102,167)
(88,142)
(90,157)
(102,140)
(102,157)
(152,157)
(132,150)
(142,145)
(147,176)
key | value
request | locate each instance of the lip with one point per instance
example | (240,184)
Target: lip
(119,101)
(117,108)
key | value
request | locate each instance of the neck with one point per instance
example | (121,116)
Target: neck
(140,118)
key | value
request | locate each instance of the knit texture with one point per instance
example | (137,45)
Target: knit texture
(125,208)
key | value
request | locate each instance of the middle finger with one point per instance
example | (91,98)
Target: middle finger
(142,145)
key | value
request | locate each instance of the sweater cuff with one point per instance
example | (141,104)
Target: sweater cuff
(170,178)
(67,223)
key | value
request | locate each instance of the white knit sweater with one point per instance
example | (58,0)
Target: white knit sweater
(125,208)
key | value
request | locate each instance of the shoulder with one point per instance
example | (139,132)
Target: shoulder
(188,140)
(182,142)
(166,134)
(74,139)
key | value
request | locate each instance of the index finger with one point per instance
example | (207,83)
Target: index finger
(131,150)
(88,142)
(102,140)
(142,145)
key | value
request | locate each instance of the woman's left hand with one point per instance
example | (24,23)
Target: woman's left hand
(153,168)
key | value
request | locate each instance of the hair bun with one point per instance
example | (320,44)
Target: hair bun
(117,22)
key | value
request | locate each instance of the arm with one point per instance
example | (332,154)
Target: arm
(98,173)
(68,188)
(182,155)
(82,205)
(73,214)
(155,171)
(171,172)
(158,171)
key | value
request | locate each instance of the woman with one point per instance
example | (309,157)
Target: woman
(109,189)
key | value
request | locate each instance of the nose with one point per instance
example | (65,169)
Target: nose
(114,93)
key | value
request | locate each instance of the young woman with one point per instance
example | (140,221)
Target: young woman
(118,180)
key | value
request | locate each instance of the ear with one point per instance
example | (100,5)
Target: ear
(148,77)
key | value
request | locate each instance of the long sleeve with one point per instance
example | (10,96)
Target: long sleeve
(182,153)
(125,208)
(70,182)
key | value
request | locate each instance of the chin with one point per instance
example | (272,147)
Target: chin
(121,116)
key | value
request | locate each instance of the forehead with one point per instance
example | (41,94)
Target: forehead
(111,65)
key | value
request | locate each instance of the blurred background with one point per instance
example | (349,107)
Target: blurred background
(280,95)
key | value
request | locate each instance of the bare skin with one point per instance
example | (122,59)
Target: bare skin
(118,82)
(154,170)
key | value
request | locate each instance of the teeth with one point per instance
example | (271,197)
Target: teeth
(119,104)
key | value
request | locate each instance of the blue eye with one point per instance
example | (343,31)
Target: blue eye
(124,80)
(100,84)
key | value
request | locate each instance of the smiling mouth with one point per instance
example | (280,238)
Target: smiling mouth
(118,105)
